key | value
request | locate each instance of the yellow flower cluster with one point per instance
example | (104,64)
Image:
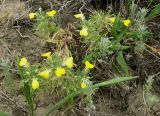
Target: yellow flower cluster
(69,61)
(46,73)
(51,13)
(84,31)
(125,22)
(88,66)
(58,72)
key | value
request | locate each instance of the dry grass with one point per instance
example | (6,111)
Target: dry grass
(11,11)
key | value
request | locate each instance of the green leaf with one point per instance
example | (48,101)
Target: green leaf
(139,48)
(133,9)
(117,46)
(124,47)
(90,56)
(121,36)
(3,114)
(29,97)
(154,12)
(115,67)
(116,25)
(122,62)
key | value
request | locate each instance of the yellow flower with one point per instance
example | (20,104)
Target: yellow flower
(59,72)
(112,19)
(80,16)
(44,74)
(32,15)
(48,54)
(83,85)
(127,22)
(84,32)
(51,13)
(88,65)
(69,62)
(35,84)
(23,62)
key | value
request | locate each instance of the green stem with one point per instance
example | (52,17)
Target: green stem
(113,81)
(63,101)
(77,93)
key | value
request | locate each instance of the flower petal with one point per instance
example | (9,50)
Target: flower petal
(59,72)
(35,84)
(44,74)
(84,32)
(88,65)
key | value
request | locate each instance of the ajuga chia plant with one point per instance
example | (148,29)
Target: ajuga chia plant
(56,74)
(105,34)
(110,35)
(45,23)
(28,73)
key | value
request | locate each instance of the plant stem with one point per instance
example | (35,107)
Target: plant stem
(63,101)
(105,83)
(113,81)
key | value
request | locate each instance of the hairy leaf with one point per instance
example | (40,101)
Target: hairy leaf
(154,12)
(122,62)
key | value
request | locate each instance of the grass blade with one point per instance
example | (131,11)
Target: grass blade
(122,62)
(154,12)
(28,95)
